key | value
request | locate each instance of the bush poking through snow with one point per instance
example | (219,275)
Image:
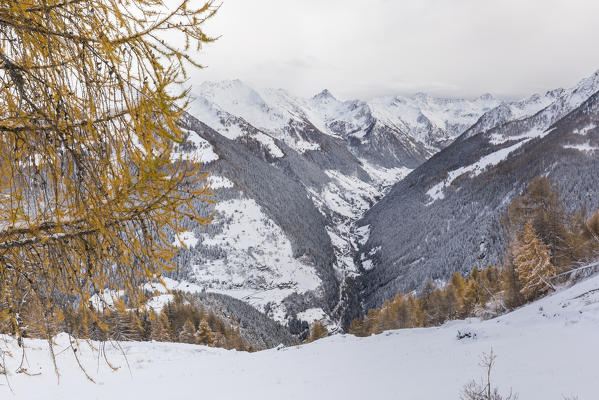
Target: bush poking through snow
(484,390)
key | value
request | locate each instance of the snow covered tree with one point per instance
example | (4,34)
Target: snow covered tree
(204,334)
(532,262)
(187,335)
(90,110)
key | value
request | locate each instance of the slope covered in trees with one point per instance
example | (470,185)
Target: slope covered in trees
(447,214)
(546,247)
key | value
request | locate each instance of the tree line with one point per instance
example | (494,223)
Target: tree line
(180,320)
(546,245)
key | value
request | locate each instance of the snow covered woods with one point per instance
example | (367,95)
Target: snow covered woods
(545,244)
(88,109)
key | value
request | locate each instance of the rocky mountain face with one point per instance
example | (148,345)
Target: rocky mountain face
(300,231)
(445,215)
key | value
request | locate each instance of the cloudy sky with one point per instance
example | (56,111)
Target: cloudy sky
(363,48)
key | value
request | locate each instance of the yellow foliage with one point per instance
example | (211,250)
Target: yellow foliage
(89,182)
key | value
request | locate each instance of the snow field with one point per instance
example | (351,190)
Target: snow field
(545,350)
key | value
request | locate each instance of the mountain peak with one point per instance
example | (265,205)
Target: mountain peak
(325,94)
(486,97)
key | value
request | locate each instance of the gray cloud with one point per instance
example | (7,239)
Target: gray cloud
(358,48)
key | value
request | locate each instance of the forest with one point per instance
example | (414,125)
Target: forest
(547,248)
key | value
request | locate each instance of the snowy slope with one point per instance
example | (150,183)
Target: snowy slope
(546,350)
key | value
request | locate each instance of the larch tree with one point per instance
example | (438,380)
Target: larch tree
(540,204)
(318,331)
(187,335)
(532,262)
(204,334)
(161,329)
(91,98)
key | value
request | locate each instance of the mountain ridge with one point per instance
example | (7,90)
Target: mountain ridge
(299,180)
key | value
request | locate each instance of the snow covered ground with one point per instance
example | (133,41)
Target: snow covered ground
(546,350)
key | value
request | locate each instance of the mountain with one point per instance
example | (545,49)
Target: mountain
(554,104)
(445,215)
(292,175)
(313,217)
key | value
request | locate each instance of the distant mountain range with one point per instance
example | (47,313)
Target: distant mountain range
(326,207)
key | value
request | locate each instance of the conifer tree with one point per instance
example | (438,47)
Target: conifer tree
(135,330)
(540,205)
(161,331)
(187,335)
(91,100)
(532,261)
(415,312)
(510,283)
(451,304)
(403,313)
(204,334)
(318,331)
(357,327)
(371,322)
(473,295)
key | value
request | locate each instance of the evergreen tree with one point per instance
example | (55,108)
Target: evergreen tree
(473,295)
(540,205)
(451,304)
(161,331)
(187,335)
(134,329)
(371,322)
(356,327)
(458,284)
(204,334)
(318,331)
(533,264)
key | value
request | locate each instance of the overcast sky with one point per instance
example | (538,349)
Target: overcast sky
(363,48)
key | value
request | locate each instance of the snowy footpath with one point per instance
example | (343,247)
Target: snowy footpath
(546,350)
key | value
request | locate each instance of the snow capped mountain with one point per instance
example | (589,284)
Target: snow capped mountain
(299,228)
(554,104)
(445,216)
(434,121)
(278,160)
(418,125)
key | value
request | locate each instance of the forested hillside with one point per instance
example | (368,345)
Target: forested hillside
(446,215)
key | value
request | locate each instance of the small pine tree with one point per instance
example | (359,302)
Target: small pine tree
(187,335)
(458,284)
(204,334)
(134,329)
(451,304)
(371,322)
(473,295)
(161,331)
(318,331)
(532,261)
(357,327)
